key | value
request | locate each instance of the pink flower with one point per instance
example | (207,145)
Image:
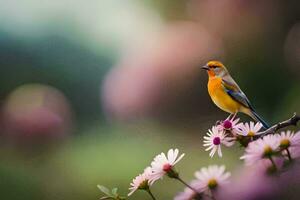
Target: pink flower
(249,129)
(260,149)
(141,181)
(290,141)
(210,178)
(163,164)
(231,125)
(206,178)
(215,137)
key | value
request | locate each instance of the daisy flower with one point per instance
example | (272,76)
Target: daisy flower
(210,178)
(289,141)
(163,164)
(141,181)
(230,124)
(260,149)
(214,139)
(249,129)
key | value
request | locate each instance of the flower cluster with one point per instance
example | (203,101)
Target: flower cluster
(206,179)
(258,148)
(264,148)
(161,165)
(228,131)
(283,145)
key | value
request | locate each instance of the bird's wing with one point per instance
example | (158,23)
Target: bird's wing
(235,92)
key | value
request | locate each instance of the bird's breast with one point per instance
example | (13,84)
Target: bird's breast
(214,84)
(215,88)
(220,97)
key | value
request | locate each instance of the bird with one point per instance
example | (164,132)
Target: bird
(226,93)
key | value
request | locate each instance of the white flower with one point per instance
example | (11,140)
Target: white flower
(231,125)
(214,139)
(206,178)
(141,181)
(210,178)
(249,129)
(289,141)
(163,164)
(260,149)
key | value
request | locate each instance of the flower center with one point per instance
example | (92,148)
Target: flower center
(251,134)
(144,185)
(212,183)
(268,151)
(167,167)
(227,124)
(217,141)
(285,143)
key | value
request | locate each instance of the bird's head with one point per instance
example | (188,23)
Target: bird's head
(215,68)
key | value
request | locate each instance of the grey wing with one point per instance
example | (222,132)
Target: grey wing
(235,92)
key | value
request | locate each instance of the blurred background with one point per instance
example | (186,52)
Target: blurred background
(91,91)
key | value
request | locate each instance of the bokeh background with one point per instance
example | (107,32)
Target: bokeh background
(91,91)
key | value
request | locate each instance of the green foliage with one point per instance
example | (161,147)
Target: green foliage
(110,195)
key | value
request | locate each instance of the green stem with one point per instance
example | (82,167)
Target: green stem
(173,174)
(289,154)
(273,163)
(150,193)
(187,185)
(211,195)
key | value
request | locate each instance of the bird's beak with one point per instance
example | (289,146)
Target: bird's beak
(205,67)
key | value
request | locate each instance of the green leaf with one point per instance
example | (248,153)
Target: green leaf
(114,191)
(104,189)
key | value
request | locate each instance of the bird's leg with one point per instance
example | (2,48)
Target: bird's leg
(229,116)
(234,115)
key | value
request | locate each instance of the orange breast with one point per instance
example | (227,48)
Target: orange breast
(220,97)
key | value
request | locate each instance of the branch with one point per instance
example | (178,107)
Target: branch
(292,121)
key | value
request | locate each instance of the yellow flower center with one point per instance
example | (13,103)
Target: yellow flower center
(144,185)
(212,183)
(268,151)
(251,134)
(285,143)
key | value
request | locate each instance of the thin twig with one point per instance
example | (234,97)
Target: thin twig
(290,122)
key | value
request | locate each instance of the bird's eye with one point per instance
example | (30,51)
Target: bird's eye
(214,66)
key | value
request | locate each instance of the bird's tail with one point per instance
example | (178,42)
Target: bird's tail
(256,117)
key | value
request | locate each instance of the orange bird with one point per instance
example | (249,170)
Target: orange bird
(226,93)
